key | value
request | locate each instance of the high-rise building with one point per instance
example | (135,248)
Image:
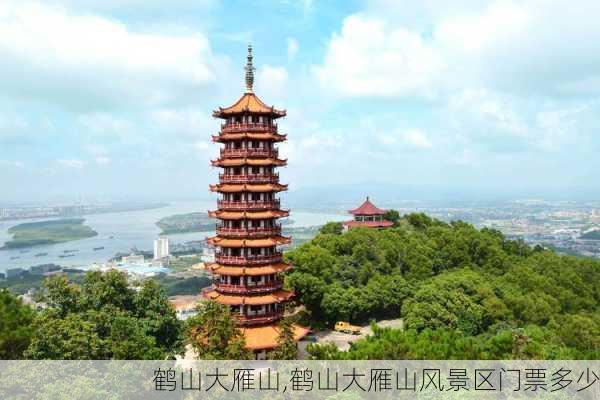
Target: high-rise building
(161,248)
(248,261)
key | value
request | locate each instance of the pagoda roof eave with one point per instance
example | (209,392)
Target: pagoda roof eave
(223,137)
(249,103)
(266,337)
(268,269)
(367,208)
(246,187)
(266,242)
(263,299)
(235,215)
(234,162)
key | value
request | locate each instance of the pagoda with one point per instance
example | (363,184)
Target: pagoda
(367,215)
(248,259)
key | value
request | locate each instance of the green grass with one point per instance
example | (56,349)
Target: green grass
(48,232)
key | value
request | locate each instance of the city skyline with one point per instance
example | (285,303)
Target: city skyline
(497,98)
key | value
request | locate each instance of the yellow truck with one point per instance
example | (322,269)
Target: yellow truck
(346,327)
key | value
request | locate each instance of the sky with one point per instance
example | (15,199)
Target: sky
(108,99)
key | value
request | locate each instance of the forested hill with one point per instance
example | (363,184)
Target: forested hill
(463,292)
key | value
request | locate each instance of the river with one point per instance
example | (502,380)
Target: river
(121,231)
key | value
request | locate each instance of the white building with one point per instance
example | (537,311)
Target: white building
(133,259)
(161,248)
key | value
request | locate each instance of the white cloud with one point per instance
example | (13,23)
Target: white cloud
(271,81)
(413,138)
(373,58)
(202,145)
(417,138)
(292,48)
(102,160)
(183,122)
(91,62)
(72,163)
(528,47)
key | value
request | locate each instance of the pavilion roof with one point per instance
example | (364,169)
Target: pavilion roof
(266,337)
(367,208)
(248,103)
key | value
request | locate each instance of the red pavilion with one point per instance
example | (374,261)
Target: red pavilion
(367,215)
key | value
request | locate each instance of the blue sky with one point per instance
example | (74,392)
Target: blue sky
(110,99)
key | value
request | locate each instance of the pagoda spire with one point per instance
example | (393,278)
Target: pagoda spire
(249,71)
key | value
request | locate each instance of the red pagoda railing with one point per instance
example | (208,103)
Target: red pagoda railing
(247,205)
(249,232)
(250,152)
(258,319)
(250,289)
(234,127)
(249,259)
(249,178)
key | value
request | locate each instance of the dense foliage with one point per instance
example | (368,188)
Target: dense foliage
(213,333)
(15,326)
(462,292)
(103,318)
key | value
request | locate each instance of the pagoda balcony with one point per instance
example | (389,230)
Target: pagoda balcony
(236,127)
(249,232)
(249,178)
(250,152)
(257,319)
(249,259)
(248,288)
(248,205)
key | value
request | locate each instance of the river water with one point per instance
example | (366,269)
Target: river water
(121,231)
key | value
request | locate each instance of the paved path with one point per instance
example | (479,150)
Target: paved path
(343,340)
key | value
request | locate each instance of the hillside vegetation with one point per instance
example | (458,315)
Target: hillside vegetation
(48,232)
(462,292)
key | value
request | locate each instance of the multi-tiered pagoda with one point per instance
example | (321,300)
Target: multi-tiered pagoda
(248,259)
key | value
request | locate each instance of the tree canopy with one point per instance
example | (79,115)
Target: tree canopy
(214,335)
(473,291)
(15,326)
(103,318)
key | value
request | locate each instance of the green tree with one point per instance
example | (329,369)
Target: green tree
(104,319)
(214,335)
(15,326)
(287,348)
(392,215)
(332,228)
